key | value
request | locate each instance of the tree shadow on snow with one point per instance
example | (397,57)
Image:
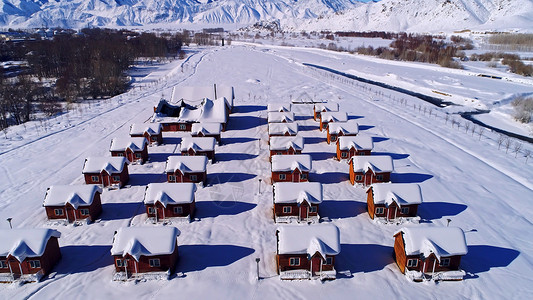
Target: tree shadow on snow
(248,108)
(233,156)
(245,122)
(83,258)
(482,258)
(409,177)
(144,179)
(229,207)
(363,257)
(121,210)
(199,257)
(314,140)
(337,209)
(330,177)
(392,155)
(437,210)
(218,178)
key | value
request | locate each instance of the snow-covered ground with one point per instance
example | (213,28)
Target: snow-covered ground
(464,178)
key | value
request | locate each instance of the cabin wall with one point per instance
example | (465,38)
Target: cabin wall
(399,252)
(284,152)
(278,210)
(370,203)
(210,154)
(168,212)
(200,177)
(289,177)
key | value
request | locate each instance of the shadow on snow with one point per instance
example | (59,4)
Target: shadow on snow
(331,177)
(364,257)
(307,127)
(144,179)
(199,257)
(482,258)
(248,108)
(83,258)
(392,155)
(121,210)
(365,127)
(233,156)
(320,155)
(218,178)
(211,209)
(409,177)
(336,209)
(437,210)
(313,140)
(245,122)
(236,140)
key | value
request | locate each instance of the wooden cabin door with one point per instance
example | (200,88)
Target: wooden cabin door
(316,261)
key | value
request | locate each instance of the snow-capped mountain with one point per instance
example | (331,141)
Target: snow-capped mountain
(425,15)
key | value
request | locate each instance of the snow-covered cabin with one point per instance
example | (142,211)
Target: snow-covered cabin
(207,130)
(392,201)
(28,254)
(73,202)
(278,107)
(282,129)
(319,108)
(291,168)
(307,252)
(194,93)
(106,171)
(151,131)
(297,201)
(286,145)
(135,149)
(330,117)
(337,129)
(280,117)
(194,146)
(368,170)
(186,169)
(138,250)
(430,252)
(170,200)
(348,146)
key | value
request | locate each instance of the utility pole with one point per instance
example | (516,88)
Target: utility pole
(9,220)
(257,260)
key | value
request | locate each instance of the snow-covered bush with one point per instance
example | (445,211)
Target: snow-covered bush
(523,109)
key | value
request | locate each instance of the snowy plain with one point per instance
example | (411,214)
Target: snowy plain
(464,178)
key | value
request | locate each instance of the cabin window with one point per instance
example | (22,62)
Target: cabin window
(116,178)
(303,176)
(178,210)
(405,210)
(153,138)
(184,153)
(294,261)
(137,155)
(151,210)
(120,154)
(380,210)
(333,138)
(58,212)
(379,177)
(183,126)
(172,178)
(154,262)
(193,177)
(287,209)
(358,177)
(329,260)
(282,177)
(3,264)
(95,178)
(444,262)
(313,209)
(120,263)
(412,263)
(35,264)
(344,154)
(84,211)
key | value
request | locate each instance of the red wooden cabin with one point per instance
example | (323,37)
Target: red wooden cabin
(338,129)
(320,108)
(393,201)
(286,145)
(367,170)
(207,130)
(194,146)
(170,200)
(282,129)
(135,149)
(186,169)
(106,171)
(151,131)
(28,254)
(291,168)
(73,202)
(348,146)
(297,202)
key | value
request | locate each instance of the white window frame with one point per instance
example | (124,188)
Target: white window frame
(344,154)
(59,212)
(329,261)
(380,210)
(294,261)
(358,177)
(287,209)
(412,262)
(182,127)
(313,209)
(405,210)
(178,210)
(35,264)
(379,177)
(95,178)
(282,177)
(172,178)
(137,155)
(3,264)
(303,176)
(116,178)
(193,177)
(84,211)
(120,263)
(154,262)
(444,262)
(151,210)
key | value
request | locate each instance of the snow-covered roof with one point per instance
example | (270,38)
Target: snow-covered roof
(186,164)
(141,128)
(376,163)
(442,241)
(278,107)
(198,143)
(349,127)
(400,193)
(144,241)
(289,163)
(194,93)
(206,128)
(285,142)
(358,142)
(132,143)
(278,117)
(309,239)
(109,164)
(205,110)
(169,193)
(334,116)
(75,195)
(25,242)
(327,106)
(282,128)
(298,192)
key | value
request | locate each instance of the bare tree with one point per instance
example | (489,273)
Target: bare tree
(467,126)
(473,130)
(527,154)
(500,140)
(480,132)
(446,117)
(516,148)
(507,144)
